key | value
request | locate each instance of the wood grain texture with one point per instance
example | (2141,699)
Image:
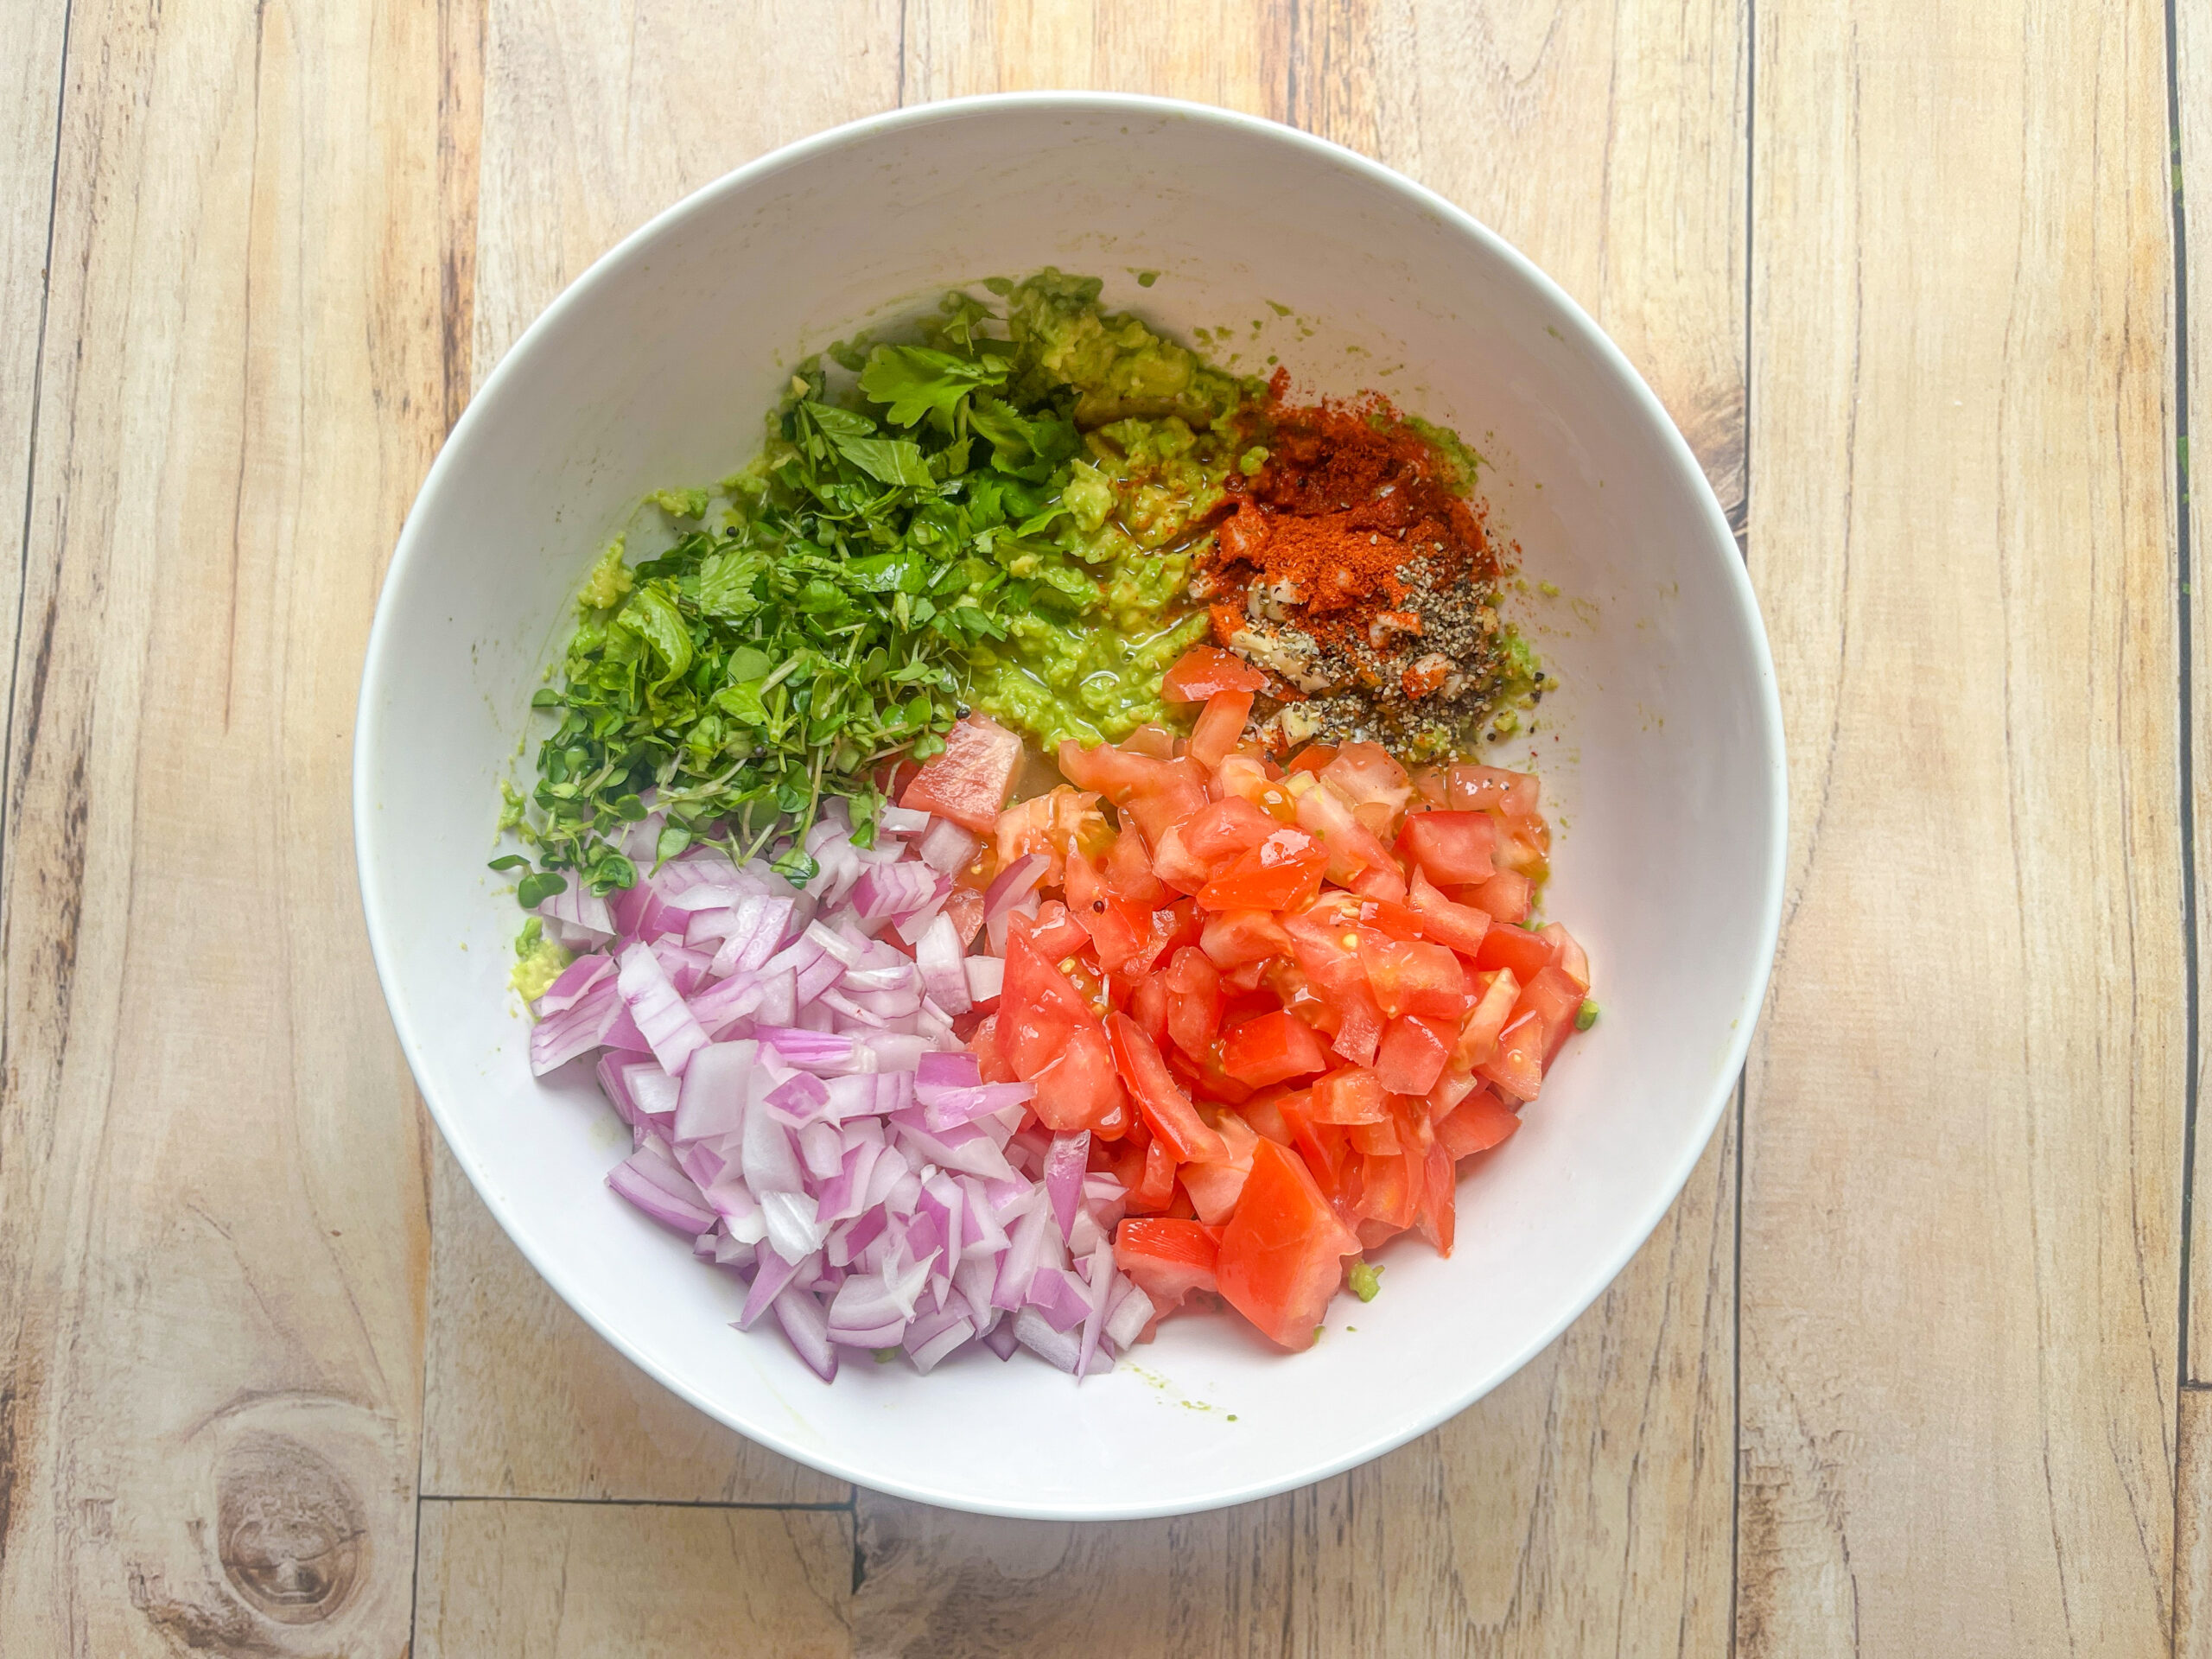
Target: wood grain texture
(1233,53)
(2193,179)
(593,118)
(522,1398)
(211,1238)
(521,1581)
(1962,1170)
(2193,1528)
(31,85)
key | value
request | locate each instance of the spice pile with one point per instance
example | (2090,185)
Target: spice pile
(1355,574)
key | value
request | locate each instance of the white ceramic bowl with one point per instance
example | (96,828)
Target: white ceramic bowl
(1661,757)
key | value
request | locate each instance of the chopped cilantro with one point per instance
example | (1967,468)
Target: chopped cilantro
(1366,1281)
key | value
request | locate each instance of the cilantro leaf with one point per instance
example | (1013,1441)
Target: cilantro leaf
(916,381)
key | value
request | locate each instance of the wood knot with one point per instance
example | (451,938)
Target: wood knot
(288,1530)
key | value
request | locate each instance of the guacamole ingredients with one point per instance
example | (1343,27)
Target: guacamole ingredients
(1355,570)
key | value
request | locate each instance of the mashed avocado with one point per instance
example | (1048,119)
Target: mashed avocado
(1158,444)
(539,962)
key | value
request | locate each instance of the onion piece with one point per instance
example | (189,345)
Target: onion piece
(986,978)
(1064,1171)
(662,1018)
(946,847)
(808,1328)
(1013,884)
(944,972)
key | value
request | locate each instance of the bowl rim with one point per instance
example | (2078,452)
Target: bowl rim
(1584,332)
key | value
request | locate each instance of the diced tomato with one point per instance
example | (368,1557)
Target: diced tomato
(1397,921)
(1174,864)
(1236,936)
(1281,1255)
(1164,1107)
(1050,824)
(1248,776)
(1568,956)
(1321,1145)
(970,780)
(1154,1188)
(1555,999)
(1076,1088)
(990,1058)
(1117,930)
(964,909)
(1351,1094)
(1312,758)
(1203,671)
(1154,740)
(1453,848)
(1505,896)
(1492,789)
(1352,848)
(1387,1192)
(1155,793)
(1214,1187)
(1527,954)
(1128,874)
(1374,1140)
(1220,831)
(1516,1065)
(1412,1054)
(1412,978)
(1283,871)
(1264,1113)
(1327,952)
(1476,1124)
(1460,927)
(1438,1213)
(1429,786)
(1055,934)
(1193,986)
(1168,1260)
(1220,727)
(1148,1008)
(1205,1080)
(1367,776)
(1272,1048)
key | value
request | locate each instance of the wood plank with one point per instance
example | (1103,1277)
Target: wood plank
(1960,1251)
(1233,53)
(2193,1529)
(29,112)
(573,1581)
(212,1229)
(2193,69)
(522,1398)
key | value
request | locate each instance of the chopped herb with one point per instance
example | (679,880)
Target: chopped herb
(1587,1016)
(1366,1280)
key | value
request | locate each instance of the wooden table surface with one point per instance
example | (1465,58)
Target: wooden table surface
(1912,1366)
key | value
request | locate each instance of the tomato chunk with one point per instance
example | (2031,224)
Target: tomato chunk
(969,781)
(1272,1048)
(1460,927)
(1475,1124)
(1493,788)
(1204,670)
(1526,953)
(1221,727)
(1412,1054)
(1351,1094)
(1076,1088)
(1222,830)
(1453,848)
(1413,978)
(1155,793)
(1282,871)
(1233,938)
(1193,1002)
(1168,1260)
(1166,1109)
(1505,896)
(1517,1066)
(1555,999)
(1281,1255)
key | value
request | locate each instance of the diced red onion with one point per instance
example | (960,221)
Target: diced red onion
(798,1117)
(1064,1170)
(1131,1313)
(946,847)
(902,820)
(937,953)
(1013,884)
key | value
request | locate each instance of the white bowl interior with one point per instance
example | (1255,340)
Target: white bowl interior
(1660,758)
